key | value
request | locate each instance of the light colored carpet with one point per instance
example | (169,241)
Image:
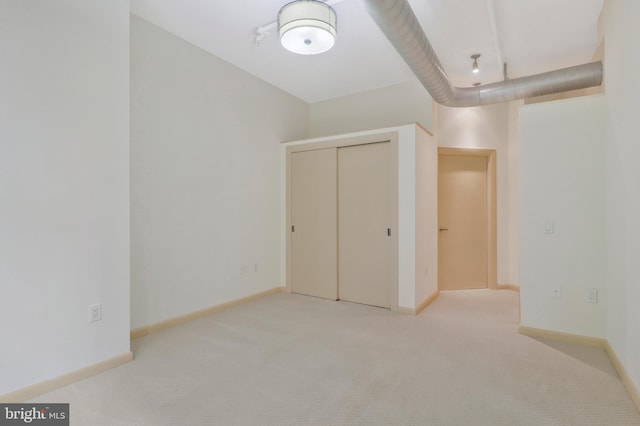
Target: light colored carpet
(296,360)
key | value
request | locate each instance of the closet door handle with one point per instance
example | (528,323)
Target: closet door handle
(443,229)
(388,232)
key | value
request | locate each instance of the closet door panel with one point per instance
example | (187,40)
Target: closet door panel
(313,203)
(364,217)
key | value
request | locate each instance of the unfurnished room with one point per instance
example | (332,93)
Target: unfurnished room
(337,212)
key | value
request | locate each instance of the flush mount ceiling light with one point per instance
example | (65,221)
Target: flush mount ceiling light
(307,27)
(475,68)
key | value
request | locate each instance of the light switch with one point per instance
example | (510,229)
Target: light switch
(548,228)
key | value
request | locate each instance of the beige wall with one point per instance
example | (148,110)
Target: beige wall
(426,158)
(485,127)
(64,196)
(622,151)
(562,182)
(205,177)
(513,194)
(397,105)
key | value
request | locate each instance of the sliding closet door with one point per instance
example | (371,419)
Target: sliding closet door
(364,253)
(314,262)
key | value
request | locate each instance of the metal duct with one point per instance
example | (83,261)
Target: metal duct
(398,22)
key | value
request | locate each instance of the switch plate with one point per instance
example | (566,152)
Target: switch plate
(548,228)
(592,295)
(95,312)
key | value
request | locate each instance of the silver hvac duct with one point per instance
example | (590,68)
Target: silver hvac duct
(398,22)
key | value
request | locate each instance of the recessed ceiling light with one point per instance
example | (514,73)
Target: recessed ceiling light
(475,69)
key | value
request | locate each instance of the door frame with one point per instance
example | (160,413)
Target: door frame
(492,206)
(392,138)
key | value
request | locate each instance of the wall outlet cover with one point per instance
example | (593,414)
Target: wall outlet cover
(95,312)
(592,295)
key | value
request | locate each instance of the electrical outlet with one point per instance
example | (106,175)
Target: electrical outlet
(95,312)
(592,295)
(556,293)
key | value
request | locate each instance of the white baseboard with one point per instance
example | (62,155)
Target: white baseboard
(624,375)
(514,287)
(421,307)
(564,337)
(171,322)
(32,391)
(590,341)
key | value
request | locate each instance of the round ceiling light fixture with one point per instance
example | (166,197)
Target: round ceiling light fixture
(307,27)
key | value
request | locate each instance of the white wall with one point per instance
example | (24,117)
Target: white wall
(407,217)
(485,127)
(426,158)
(205,177)
(622,61)
(64,196)
(562,181)
(513,194)
(397,105)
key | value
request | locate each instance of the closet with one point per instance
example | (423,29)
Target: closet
(340,223)
(314,223)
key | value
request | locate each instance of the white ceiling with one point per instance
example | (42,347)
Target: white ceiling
(532,36)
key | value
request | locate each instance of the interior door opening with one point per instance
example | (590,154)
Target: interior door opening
(467,219)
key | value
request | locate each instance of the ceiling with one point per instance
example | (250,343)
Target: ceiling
(532,36)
